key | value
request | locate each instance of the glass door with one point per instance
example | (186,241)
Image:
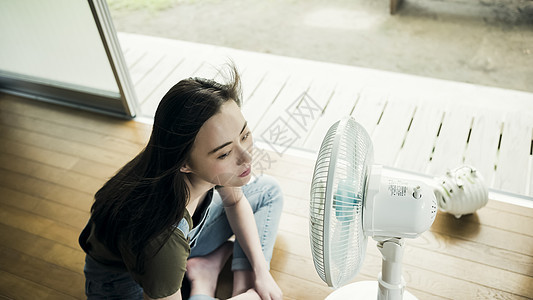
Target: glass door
(64,51)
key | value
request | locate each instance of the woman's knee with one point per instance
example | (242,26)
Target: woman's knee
(273,188)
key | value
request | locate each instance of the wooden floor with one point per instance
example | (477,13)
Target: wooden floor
(418,124)
(53,159)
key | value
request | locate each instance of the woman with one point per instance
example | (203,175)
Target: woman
(173,207)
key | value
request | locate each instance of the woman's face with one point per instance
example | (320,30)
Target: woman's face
(221,153)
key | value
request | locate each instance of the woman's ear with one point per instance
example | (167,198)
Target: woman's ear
(185,169)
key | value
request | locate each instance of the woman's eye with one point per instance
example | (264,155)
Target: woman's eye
(224,155)
(245,136)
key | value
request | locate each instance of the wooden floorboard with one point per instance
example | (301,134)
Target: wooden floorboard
(49,173)
(41,272)
(57,212)
(14,287)
(51,251)
(46,190)
(53,159)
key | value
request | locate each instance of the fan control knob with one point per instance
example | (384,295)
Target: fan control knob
(416,192)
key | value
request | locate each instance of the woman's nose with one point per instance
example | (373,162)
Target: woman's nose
(245,156)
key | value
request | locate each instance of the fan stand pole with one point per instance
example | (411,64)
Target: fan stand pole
(391,283)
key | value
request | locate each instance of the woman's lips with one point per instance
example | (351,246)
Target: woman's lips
(246,173)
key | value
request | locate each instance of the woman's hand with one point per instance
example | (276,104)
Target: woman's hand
(266,287)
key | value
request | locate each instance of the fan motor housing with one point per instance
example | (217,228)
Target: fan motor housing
(397,207)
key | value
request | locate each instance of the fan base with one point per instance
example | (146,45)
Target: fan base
(362,290)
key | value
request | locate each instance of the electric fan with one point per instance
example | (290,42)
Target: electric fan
(352,199)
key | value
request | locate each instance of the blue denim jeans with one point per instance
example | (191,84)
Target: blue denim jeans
(266,199)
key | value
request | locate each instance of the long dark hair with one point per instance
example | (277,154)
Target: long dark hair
(149,194)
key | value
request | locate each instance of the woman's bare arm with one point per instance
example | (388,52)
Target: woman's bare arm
(242,222)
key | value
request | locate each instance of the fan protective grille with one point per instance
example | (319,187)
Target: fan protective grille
(338,243)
